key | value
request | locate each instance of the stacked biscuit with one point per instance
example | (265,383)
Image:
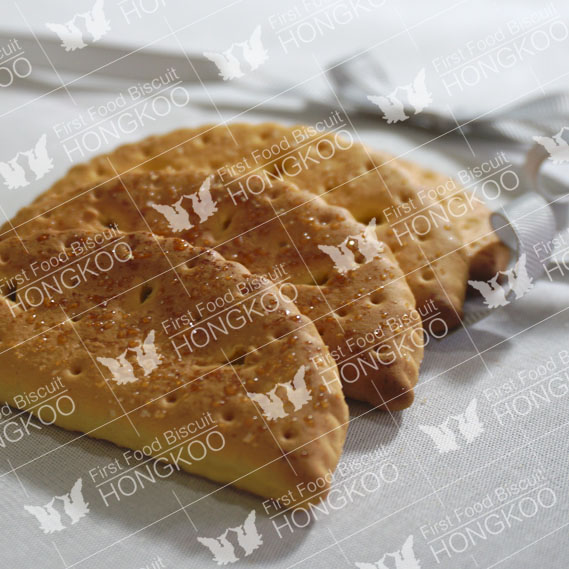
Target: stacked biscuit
(250,274)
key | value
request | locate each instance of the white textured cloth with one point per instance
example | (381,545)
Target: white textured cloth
(473,475)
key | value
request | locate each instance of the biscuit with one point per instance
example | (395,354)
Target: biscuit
(426,247)
(121,321)
(487,255)
(345,280)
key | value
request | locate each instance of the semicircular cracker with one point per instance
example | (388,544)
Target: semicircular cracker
(425,239)
(154,339)
(486,253)
(345,279)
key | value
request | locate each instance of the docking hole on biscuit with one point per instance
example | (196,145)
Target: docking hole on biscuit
(12,293)
(288,434)
(319,280)
(145,292)
(76,369)
(168,400)
(237,358)
(376,297)
(281,333)
(226,223)
(343,311)
(193,262)
(228,415)
(107,222)
(428,274)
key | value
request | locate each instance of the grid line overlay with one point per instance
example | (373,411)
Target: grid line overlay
(336,542)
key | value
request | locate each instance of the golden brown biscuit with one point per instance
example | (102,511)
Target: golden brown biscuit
(123,320)
(344,173)
(487,255)
(364,309)
(425,245)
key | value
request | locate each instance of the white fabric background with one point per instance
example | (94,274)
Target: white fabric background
(150,525)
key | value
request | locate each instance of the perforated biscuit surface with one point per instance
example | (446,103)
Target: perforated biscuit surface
(366,314)
(75,302)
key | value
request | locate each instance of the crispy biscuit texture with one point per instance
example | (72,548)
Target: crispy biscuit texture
(336,270)
(153,337)
(426,243)
(487,255)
